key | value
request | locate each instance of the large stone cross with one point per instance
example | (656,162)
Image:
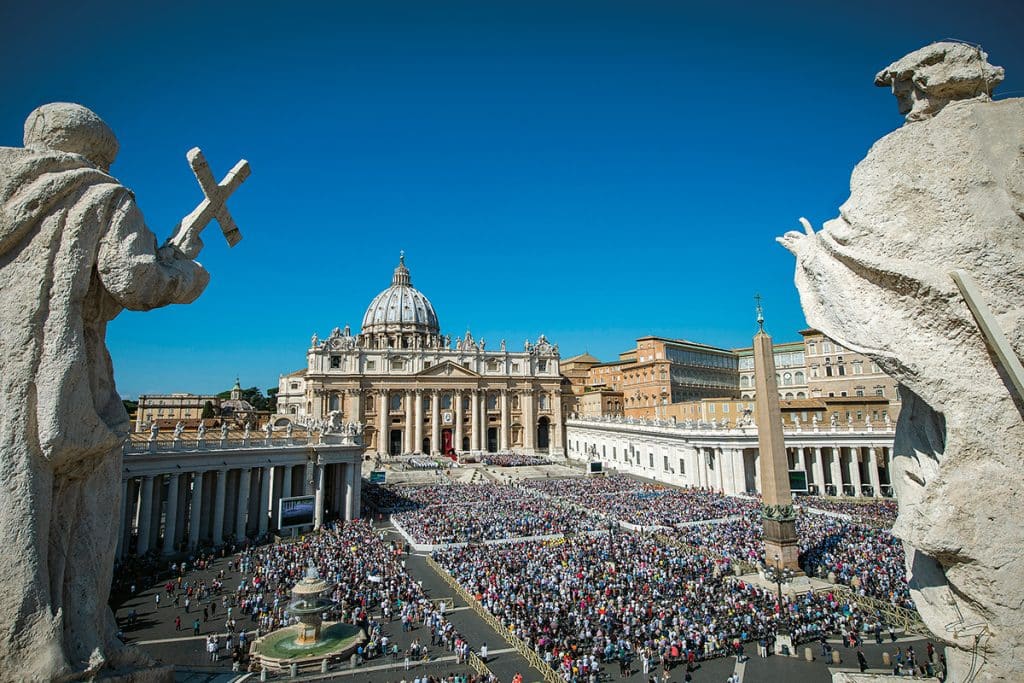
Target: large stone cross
(216,195)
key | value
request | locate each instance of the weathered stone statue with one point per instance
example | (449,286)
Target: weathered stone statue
(945,192)
(74,252)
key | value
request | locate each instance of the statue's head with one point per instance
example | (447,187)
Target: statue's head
(928,79)
(69,127)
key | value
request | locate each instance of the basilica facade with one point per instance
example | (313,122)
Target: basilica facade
(414,390)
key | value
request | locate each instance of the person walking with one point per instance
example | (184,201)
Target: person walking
(177,623)
(862,660)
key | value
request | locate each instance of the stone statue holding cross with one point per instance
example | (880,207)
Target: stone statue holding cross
(74,252)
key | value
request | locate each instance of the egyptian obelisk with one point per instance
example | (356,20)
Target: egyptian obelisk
(777,501)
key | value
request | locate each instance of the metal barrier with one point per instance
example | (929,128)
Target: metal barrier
(478,665)
(909,621)
(517,643)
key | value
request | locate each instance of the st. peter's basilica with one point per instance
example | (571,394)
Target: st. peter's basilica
(416,391)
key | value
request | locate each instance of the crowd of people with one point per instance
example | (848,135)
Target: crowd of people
(881,512)
(862,556)
(508,512)
(643,503)
(513,460)
(590,602)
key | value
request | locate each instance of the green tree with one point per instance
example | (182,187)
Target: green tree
(208,410)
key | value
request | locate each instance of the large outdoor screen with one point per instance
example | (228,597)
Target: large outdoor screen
(596,467)
(798,480)
(296,512)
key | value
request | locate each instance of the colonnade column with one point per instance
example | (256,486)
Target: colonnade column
(474,420)
(458,420)
(145,515)
(350,492)
(418,446)
(529,422)
(266,479)
(218,506)
(171,515)
(122,528)
(242,515)
(873,471)
(382,424)
(720,461)
(819,471)
(837,469)
(195,510)
(409,426)
(352,497)
(503,429)
(318,509)
(435,422)
(855,470)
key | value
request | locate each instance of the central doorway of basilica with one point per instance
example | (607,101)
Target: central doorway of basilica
(492,439)
(447,445)
(395,442)
(542,433)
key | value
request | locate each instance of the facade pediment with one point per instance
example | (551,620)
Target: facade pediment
(448,369)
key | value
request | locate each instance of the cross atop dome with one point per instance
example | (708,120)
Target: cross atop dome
(401,276)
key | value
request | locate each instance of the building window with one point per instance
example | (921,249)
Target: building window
(396,401)
(812,348)
(542,366)
(665,463)
(879,391)
(492,366)
(371,365)
(682,466)
(798,377)
(651,457)
(335,362)
(397,364)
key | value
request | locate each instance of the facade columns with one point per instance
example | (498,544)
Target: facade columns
(474,420)
(529,421)
(266,478)
(355,405)
(218,506)
(873,472)
(145,516)
(458,420)
(286,481)
(819,471)
(418,432)
(503,444)
(409,426)
(242,517)
(382,424)
(171,515)
(350,492)
(195,510)
(557,425)
(435,422)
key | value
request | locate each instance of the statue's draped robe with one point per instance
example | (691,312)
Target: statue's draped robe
(933,196)
(74,251)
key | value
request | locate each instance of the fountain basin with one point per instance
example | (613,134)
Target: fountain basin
(278,650)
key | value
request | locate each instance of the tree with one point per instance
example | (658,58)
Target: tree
(208,410)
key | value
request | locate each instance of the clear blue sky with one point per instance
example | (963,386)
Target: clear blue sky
(595,171)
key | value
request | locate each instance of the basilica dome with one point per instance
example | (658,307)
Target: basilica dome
(401,307)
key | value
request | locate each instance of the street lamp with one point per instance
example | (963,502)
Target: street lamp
(779,575)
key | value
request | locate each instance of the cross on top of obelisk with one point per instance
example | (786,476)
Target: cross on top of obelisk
(760,313)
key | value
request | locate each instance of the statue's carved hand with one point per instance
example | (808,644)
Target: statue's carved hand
(794,239)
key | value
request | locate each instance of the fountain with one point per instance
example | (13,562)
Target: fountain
(309,642)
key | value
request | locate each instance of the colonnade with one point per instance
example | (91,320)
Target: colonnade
(168,505)
(855,464)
